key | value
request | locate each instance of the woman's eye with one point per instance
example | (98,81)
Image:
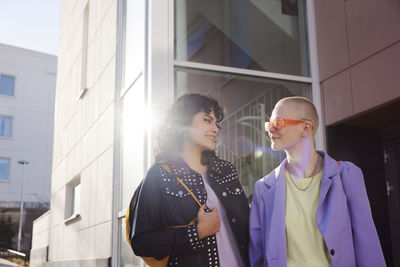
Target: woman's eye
(207,120)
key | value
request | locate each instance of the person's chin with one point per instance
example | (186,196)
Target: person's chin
(275,147)
(211,147)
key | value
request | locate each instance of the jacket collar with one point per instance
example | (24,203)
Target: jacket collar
(331,169)
(212,166)
(277,173)
(179,166)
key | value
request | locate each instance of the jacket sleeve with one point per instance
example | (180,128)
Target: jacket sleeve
(256,246)
(152,236)
(366,241)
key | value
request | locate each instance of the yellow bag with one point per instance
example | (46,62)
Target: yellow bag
(150,261)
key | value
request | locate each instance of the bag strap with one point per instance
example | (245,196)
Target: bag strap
(165,166)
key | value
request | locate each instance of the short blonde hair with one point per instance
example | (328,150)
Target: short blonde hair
(308,111)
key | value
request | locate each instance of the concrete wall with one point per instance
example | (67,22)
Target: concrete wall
(84,134)
(359,55)
(32,109)
(40,240)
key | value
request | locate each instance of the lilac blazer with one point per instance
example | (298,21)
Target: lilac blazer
(343,217)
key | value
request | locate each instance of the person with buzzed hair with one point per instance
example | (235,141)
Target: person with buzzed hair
(311,210)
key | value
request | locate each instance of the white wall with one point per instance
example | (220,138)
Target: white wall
(32,109)
(84,133)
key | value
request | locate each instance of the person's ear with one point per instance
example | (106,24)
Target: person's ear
(307,129)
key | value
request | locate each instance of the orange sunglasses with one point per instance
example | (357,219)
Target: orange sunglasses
(279,123)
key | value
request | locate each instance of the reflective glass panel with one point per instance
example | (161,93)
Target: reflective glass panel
(7,85)
(5,126)
(133,133)
(77,199)
(134,41)
(126,256)
(4,168)
(267,35)
(248,103)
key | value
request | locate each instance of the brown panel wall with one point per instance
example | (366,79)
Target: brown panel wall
(372,26)
(376,80)
(358,54)
(337,98)
(332,40)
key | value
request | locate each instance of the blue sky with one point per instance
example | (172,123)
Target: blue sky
(32,24)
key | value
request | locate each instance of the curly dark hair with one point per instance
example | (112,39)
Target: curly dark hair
(169,139)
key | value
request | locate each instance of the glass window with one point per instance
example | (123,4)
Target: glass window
(6,85)
(259,35)
(85,36)
(135,120)
(4,168)
(73,201)
(127,258)
(134,41)
(77,199)
(5,126)
(248,103)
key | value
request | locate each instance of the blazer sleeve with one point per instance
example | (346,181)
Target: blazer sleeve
(152,236)
(366,241)
(256,246)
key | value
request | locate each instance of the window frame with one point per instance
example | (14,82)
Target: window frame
(13,89)
(71,214)
(9,169)
(11,128)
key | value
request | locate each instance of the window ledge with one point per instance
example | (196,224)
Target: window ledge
(7,96)
(72,218)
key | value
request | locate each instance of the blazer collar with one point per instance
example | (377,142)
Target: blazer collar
(277,173)
(331,169)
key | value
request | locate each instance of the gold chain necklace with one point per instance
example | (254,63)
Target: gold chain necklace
(312,177)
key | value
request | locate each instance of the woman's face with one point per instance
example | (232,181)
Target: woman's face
(203,131)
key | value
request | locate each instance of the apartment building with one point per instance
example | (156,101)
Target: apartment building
(27,93)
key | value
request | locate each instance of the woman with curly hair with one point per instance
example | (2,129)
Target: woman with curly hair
(191,188)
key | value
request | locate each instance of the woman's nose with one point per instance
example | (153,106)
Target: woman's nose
(216,129)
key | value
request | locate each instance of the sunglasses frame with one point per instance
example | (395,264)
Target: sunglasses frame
(279,123)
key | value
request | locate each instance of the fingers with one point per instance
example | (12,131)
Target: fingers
(209,223)
(200,211)
(214,210)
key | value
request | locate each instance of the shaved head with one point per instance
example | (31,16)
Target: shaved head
(302,107)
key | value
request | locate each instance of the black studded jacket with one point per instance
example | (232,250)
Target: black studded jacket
(163,203)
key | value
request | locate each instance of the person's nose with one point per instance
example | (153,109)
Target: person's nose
(215,129)
(269,128)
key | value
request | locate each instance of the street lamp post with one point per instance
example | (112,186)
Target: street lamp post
(24,163)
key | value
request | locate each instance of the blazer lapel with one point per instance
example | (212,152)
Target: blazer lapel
(277,233)
(330,169)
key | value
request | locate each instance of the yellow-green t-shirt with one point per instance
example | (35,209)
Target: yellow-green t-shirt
(305,244)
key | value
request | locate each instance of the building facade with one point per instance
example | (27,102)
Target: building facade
(122,63)
(359,52)
(27,93)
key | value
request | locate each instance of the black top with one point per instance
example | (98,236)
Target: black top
(163,202)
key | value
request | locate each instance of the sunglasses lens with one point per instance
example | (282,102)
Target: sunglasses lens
(278,123)
(267,126)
